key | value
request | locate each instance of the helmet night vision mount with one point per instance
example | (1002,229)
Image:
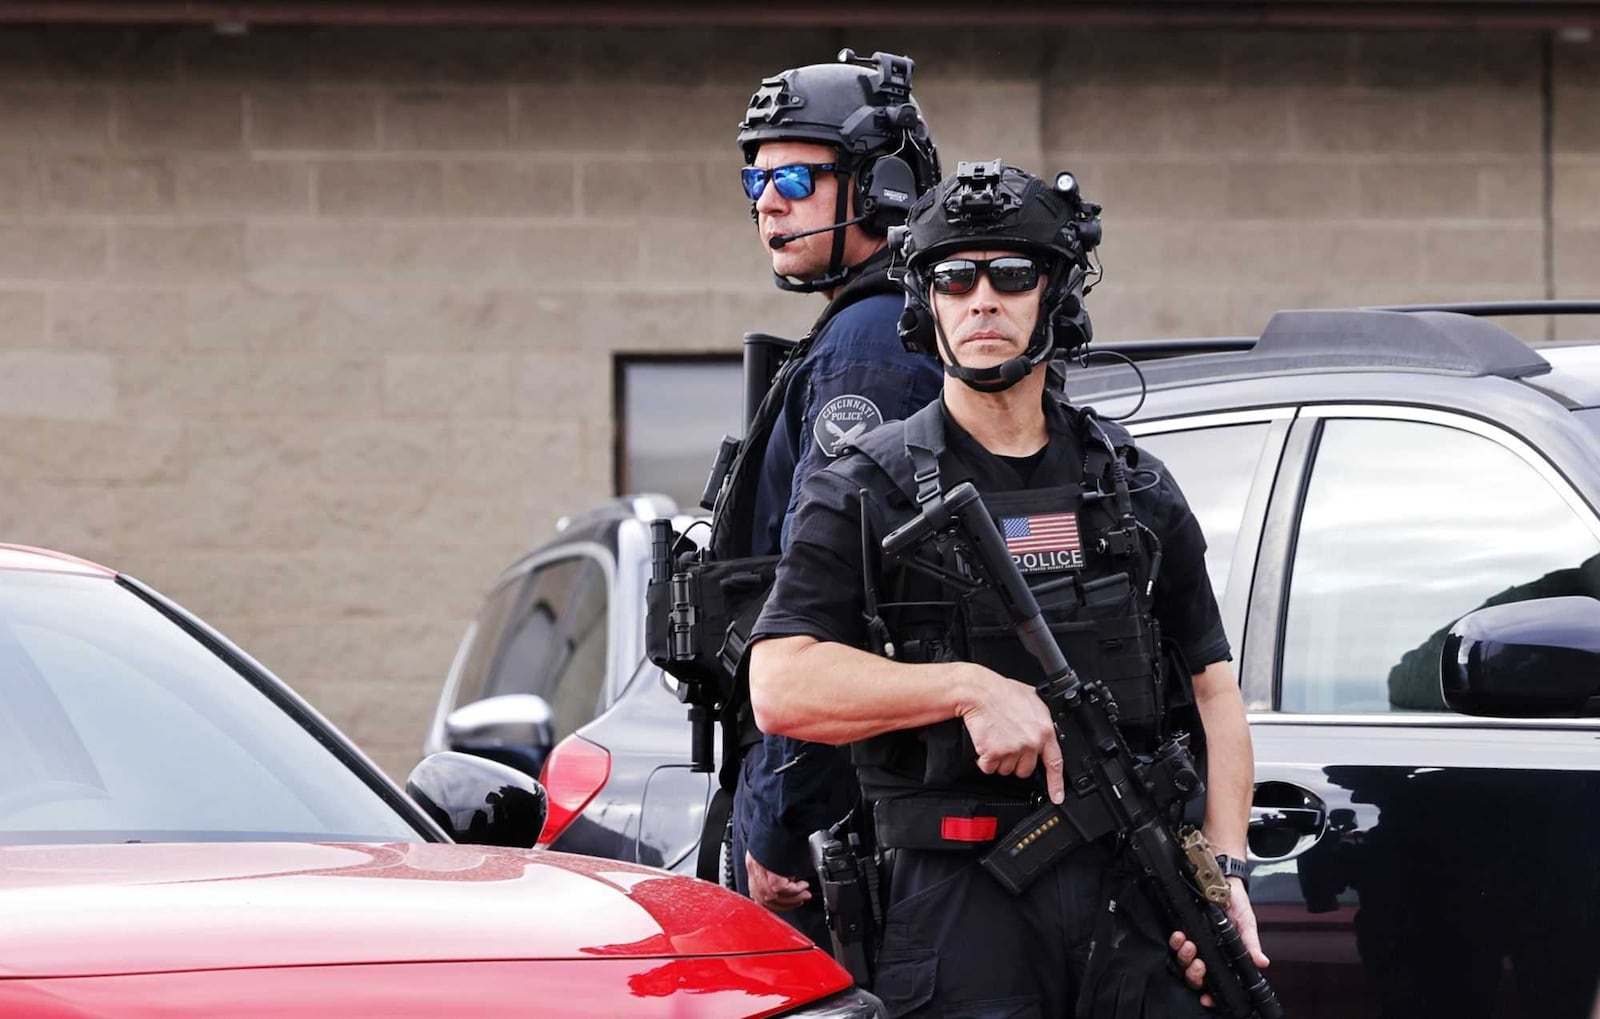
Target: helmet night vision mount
(991,206)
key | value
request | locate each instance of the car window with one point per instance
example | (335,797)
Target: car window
(116,725)
(544,634)
(1406,527)
(1214,468)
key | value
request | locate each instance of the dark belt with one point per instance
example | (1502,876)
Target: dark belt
(934,822)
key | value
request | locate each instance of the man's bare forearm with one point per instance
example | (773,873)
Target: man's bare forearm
(1230,760)
(826,692)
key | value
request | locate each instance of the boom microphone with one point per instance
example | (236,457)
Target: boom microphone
(781,239)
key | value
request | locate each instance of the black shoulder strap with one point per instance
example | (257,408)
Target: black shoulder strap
(924,445)
(732,519)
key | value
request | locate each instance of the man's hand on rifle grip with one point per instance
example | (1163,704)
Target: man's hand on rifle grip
(1243,917)
(1010,728)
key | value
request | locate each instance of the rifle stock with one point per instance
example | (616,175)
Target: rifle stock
(1109,789)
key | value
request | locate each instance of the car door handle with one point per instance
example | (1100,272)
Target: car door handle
(1300,820)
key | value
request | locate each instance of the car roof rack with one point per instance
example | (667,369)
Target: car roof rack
(1448,339)
(1363,337)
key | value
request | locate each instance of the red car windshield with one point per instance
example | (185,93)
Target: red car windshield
(116,725)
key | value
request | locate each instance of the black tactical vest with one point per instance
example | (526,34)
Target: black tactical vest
(1092,586)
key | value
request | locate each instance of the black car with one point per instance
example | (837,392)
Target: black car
(1365,479)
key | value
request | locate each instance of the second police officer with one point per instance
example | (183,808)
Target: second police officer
(922,680)
(834,155)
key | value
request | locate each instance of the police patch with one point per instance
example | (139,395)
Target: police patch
(843,420)
(1043,543)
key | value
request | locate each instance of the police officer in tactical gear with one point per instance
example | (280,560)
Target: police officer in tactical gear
(927,682)
(835,155)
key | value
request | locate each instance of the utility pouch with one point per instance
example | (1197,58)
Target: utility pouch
(699,613)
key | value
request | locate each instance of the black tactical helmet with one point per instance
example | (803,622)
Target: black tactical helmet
(994,207)
(863,108)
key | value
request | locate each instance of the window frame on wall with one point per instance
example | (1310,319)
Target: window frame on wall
(622,363)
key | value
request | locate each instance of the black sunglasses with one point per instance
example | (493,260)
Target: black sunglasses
(793,180)
(1010,274)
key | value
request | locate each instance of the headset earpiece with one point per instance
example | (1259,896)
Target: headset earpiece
(885,189)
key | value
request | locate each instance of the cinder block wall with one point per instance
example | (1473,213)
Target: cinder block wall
(311,329)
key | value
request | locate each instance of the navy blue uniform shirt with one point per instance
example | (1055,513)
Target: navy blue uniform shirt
(856,376)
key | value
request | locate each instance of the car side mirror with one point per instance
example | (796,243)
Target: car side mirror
(516,729)
(479,802)
(1527,659)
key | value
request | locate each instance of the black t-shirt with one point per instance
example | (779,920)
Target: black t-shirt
(820,590)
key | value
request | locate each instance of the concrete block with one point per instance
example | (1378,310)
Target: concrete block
(1316,189)
(448,385)
(273,454)
(21,186)
(69,517)
(729,253)
(1577,119)
(1434,59)
(56,386)
(240,319)
(1577,191)
(1507,255)
(118,185)
(55,118)
(629,55)
(1356,255)
(178,117)
(1330,120)
(1577,261)
(563,385)
(634,189)
(510,188)
(1576,63)
(1433,189)
(52,251)
(655,119)
(556,255)
(1482,120)
(391,255)
(177,252)
(145,321)
(243,187)
(396,189)
(1288,59)
(422,319)
(976,119)
(384,451)
(446,118)
(520,454)
(291,116)
(1514,190)
(119,451)
(647,320)
(1120,57)
(515,320)
(1228,123)
(1161,189)
(230,385)
(1082,121)
(197,512)
(23,319)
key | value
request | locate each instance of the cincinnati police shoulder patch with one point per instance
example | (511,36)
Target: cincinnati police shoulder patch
(843,420)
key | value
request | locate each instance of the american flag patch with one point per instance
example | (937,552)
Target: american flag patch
(1045,542)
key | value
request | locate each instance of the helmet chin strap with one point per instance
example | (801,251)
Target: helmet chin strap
(1000,377)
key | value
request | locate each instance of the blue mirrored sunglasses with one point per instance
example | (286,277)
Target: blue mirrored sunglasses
(793,181)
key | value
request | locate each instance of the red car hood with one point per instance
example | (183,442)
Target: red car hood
(123,909)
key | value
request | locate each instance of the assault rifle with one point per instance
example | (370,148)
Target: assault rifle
(1109,788)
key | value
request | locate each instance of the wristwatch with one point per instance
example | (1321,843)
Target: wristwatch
(1233,867)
